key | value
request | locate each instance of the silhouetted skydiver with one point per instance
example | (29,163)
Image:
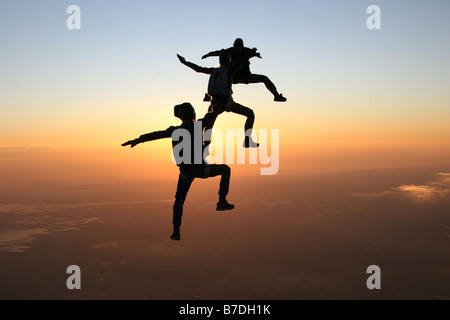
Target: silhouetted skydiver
(221,98)
(191,165)
(244,75)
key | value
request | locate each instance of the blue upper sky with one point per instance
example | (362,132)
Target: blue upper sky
(126,50)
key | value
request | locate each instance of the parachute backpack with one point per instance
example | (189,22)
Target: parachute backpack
(219,84)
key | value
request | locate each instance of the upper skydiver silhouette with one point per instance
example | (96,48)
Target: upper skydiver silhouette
(219,88)
(244,75)
(191,166)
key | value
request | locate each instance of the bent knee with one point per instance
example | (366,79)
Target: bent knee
(225,169)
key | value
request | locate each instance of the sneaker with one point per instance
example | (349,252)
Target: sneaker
(207,97)
(279,98)
(175,236)
(249,143)
(224,205)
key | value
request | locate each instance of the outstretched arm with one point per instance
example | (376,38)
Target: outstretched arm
(155,135)
(213,54)
(194,67)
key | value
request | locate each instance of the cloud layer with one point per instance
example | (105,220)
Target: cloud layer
(438,189)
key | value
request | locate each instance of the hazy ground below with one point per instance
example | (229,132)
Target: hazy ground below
(304,236)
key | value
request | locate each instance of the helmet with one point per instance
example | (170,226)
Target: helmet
(238,42)
(225,58)
(184,111)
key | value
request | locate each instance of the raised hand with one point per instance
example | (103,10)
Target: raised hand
(182,59)
(257,54)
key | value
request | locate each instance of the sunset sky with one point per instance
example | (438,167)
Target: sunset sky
(118,76)
(364,145)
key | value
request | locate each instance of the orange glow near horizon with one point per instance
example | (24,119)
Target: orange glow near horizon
(151,161)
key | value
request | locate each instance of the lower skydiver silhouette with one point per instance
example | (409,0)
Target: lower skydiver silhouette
(190,160)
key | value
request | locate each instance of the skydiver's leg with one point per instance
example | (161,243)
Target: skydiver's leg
(248,126)
(210,119)
(224,172)
(257,78)
(184,183)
